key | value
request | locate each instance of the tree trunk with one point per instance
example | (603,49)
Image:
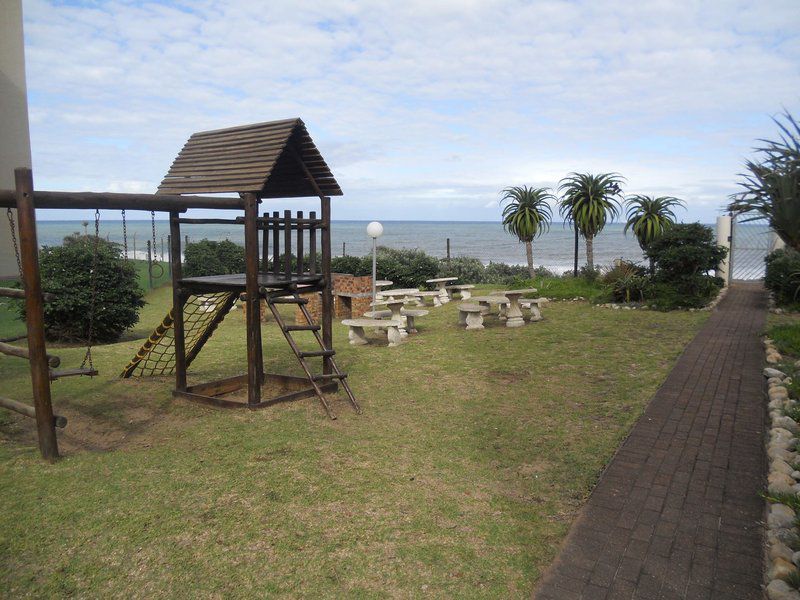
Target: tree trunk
(590,252)
(575,268)
(529,254)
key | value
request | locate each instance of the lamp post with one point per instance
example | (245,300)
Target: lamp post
(374,230)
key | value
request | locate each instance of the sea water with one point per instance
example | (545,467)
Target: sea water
(483,240)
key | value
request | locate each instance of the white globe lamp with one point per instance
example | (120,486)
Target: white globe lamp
(374,230)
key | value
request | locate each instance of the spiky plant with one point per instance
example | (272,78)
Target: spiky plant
(649,217)
(772,185)
(588,202)
(527,215)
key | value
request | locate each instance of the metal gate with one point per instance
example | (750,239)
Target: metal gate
(751,241)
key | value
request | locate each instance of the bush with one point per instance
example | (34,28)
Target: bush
(467,269)
(683,256)
(406,268)
(208,257)
(352,265)
(782,276)
(67,272)
(503,274)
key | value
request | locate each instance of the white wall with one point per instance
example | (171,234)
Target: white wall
(15,145)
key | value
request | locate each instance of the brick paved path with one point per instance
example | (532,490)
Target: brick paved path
(676,514)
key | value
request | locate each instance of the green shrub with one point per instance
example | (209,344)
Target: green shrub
(683,257)
(503,274)
(208,257)
(406,267)
(782,276)
(467,269)
(627,282)
(352,265)
(67,272)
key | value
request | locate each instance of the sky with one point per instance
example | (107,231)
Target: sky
(423,109)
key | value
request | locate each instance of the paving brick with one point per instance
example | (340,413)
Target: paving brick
(679,502)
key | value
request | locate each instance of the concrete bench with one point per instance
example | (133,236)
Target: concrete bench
(463,290)
(436,297)
(410,314)
(535,305)
(470,315)
(359,338)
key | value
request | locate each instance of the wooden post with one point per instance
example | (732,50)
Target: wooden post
(265,244)
(312,244)
(34,314)
(253,305)
(287,242)
(177,301)
(327,294)
(169,255)
(186,240)
(448,252)
(150,264)
(300,249)
(344,249)
(276,243)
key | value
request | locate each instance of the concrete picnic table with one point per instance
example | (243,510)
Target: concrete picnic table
(486,302)
(381,283)
(399,293)
(441,284)
(514,316)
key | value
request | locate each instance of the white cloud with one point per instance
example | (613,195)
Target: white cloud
(423,109)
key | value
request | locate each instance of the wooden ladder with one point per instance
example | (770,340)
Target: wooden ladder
(325,353)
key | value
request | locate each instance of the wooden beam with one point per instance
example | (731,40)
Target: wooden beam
(178,298)
(255,362)
(15,293)
(327,295)
(19,352)
(113,201)
(34,314)
(30,411)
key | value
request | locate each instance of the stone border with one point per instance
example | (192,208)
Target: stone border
(784,462)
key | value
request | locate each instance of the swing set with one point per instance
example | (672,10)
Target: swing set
(276,159)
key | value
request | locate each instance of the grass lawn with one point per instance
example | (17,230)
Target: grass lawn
(461,478)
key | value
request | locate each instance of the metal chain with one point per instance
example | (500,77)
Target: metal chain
(10,215)
(125,234)
(87,359)
(153,223)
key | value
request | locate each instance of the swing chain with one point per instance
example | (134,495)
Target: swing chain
(125,234)
(87,359)
(153,224)
(10,215)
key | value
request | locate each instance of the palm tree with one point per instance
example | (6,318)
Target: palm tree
(772,187)
(649,217)
(527,215)
(588,202)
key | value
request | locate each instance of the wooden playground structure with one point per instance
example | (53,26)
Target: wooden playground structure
(270,160)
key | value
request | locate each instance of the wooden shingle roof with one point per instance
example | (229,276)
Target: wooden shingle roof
(260,158)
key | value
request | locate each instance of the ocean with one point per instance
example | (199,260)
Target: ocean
(483,240)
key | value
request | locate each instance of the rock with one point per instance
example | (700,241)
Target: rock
(780,550)
(795,475)
(770,372)
(778,432)
(776,404)
(778,392)
(775,452)
(773,358)
(786,423)
(774,381)
(796,558)
(780,516)
(781,466)
(780,483)
(781,569)
(783,443)
(778,589)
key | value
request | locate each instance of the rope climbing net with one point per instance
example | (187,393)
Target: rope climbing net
(201,315)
